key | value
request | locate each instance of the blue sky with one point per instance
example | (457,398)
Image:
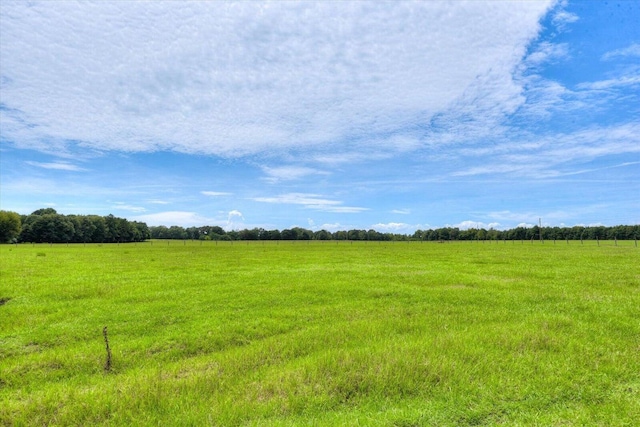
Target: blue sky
(395,116)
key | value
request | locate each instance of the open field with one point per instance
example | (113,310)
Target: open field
(321,333)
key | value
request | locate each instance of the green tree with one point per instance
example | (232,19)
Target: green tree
(45,211)
(49,228)
(99,226)
(10,226)
(274,234)
(288,234)
(302,233)
(247,234)
(322,235)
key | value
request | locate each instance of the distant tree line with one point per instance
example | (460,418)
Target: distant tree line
(295,233)
(620,232)
(48,226)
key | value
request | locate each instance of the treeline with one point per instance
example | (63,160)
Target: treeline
(620,232)
(295,233)
(48,226)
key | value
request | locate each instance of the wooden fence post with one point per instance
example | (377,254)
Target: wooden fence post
(107,363)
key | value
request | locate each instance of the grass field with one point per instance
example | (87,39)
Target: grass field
(321,334)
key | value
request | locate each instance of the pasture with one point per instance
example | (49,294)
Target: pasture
(321,334)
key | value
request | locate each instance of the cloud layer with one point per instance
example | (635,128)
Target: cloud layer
(233,79)
(350,114)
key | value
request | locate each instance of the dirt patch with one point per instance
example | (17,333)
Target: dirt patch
(4,300)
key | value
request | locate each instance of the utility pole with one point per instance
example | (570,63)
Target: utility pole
(540,228)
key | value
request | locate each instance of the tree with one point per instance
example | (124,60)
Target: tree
(274,234)
(10,226)
(322,235)
(45,211)
(49,228)
(159,232)
(249,234)
(288,234)
(302,233)
(176,232)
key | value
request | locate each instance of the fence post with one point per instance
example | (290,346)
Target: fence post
(107,363)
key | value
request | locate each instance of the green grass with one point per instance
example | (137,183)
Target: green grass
(321,334)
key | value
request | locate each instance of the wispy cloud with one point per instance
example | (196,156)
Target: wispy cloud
(289,173)
(546,52)
(215,193)
(632,50)
(127,207)
(547,217)
(393,227)
(632,80)
(469,224)
(182,218)
(562,18)
(332,227)
(64,166)
(540,158)
(311,201)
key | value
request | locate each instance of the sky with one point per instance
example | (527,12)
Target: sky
(392,116)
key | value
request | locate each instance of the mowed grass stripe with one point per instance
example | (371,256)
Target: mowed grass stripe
(321,333)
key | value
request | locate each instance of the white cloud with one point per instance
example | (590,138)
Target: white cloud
(340,209)
(465,225)
(528,219)
(611,83)
(233,79)
(494,169)
(393,227)
(215,193)
(57,166)
(235,214)
(332,227)
(542,157)
(401,211)
(298,199)
(180,218)
(127,207)
(547,52)
(235,220)
(311,201)
(525,225)
(561,18)
(340,158)
(288,173)
(632,50)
